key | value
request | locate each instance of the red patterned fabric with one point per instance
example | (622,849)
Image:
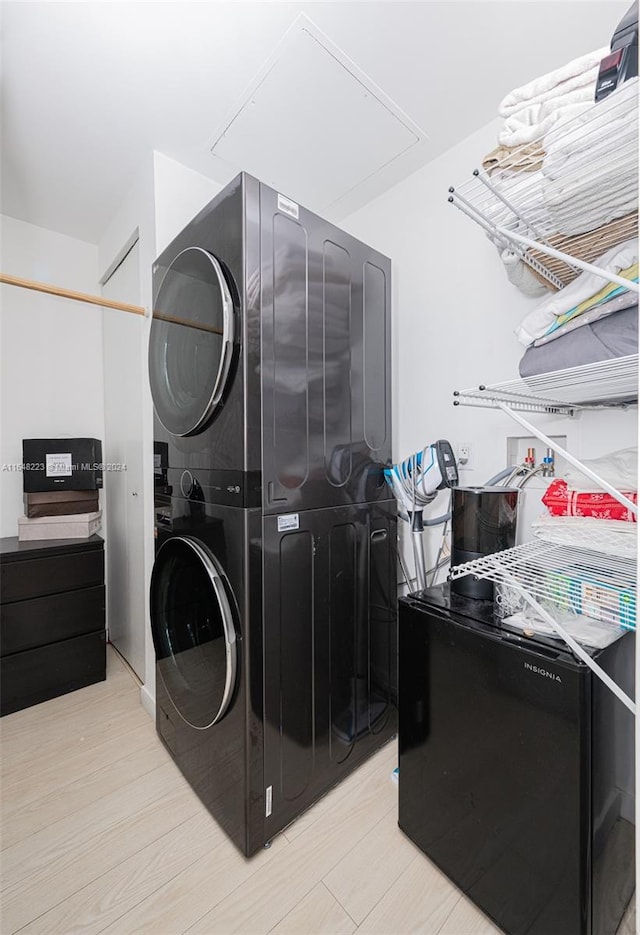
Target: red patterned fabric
(560,500)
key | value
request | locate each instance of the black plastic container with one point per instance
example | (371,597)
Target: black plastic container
(483,522)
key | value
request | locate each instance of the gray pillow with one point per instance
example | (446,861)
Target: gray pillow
(605,339)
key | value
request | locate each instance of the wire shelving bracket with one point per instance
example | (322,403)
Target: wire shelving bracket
(604,385)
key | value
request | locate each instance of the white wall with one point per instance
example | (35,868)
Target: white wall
(136,214)
(163,199)
(51,351)
(180,193)
(454,312)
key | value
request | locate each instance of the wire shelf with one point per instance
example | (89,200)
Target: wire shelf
(602,536)
(603,385)
(579,580)
(574,191)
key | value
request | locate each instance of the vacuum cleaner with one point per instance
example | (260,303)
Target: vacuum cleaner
(416,482)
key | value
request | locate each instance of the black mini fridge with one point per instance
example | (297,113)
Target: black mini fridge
(516,767)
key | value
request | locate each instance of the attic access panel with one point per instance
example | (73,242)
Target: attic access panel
(312,124)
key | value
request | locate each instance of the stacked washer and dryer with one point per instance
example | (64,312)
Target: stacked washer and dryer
(273,593)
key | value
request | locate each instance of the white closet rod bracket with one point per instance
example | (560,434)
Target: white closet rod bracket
(497,236)
(570,260)
(620,497)
(497,194)
(70,294)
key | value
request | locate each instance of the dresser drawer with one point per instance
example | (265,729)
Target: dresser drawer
(36,577)
(37,675)
(42,620)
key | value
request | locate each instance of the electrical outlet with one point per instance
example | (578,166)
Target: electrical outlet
(464,454)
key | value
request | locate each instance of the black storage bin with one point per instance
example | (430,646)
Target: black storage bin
(61,464)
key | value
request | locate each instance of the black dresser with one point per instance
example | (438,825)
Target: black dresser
(52,619)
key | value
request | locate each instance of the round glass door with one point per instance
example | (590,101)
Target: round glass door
(191,342)
(193,630)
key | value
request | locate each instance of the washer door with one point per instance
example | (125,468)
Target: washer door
(193,630)
(191,342)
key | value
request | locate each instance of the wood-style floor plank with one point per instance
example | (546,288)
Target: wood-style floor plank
(317,913)
(370,868)
(139,756)
(102,834)
(161,803)
(59,841)
(420,900)
(190,895)
(83,733)
(107,898)
(272,892)
(56,772)
(48,718)
(385,758)
(466,919)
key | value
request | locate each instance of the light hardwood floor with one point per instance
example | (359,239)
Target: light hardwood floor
(100,833)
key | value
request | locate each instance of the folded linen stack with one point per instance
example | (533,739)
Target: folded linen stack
(567,167)
(588,321)
(580,514)
(590,518)
(532,110)
(561,500)
(590,170)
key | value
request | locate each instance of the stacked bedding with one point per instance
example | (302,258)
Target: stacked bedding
(591,600)
(581,514)
(531,111)
(590,171)
(566,166)
(590,320)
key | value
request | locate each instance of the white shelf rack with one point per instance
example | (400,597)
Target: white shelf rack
(552,576)
(600,536)
(607,384)
(603,385)
(558,206)
(562,207)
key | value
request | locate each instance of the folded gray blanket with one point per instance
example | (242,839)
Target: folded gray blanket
(605,339)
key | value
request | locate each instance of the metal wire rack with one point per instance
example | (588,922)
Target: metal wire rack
(597,584)
(602,385)
(560,203)
(553,578)
(597,536)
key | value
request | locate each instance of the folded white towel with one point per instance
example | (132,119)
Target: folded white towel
(535,122)
(587,284)
(590,170)
(520,275)
(618,468)
(574,74)
(523,190)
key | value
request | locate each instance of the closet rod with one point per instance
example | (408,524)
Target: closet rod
(68,294)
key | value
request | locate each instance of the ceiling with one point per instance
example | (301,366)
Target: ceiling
(90,89)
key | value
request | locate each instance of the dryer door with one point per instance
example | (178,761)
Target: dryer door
(191,342)
(193,630)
